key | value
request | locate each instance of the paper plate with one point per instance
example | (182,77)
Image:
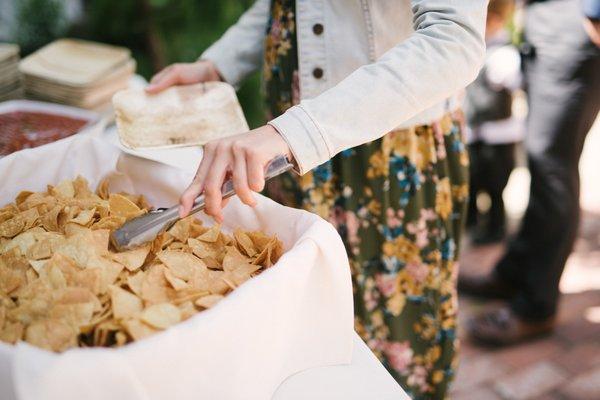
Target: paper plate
(7,51)
(74,62)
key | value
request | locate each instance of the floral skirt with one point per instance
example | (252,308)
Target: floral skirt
(399,204)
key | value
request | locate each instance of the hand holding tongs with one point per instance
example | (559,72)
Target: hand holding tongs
(146,227)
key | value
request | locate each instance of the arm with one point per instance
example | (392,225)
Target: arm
(443,55)
(238,52)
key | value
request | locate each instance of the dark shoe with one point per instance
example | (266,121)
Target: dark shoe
(489,286)
(500,326)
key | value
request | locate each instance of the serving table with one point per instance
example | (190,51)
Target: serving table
(365,378)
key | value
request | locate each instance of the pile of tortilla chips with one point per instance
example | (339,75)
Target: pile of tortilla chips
(62,285)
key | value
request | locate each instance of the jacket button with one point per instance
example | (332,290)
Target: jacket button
(318,73)
(317,29)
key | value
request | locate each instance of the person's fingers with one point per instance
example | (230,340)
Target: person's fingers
(188,197)
(256,171)
(214,181)
(240,180)
(169,79)
(158,76)
(186,201)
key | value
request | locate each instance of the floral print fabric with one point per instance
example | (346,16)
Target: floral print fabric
(398,204)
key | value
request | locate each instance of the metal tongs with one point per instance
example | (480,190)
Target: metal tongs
(145,228)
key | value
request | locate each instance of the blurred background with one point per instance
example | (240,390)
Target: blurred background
(565,365)
(158,32)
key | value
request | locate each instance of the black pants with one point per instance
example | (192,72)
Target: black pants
(491,165)
(562,74)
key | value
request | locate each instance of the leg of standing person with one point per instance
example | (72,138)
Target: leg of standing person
(491,167)
(503,160)
(476,176)
(563,84)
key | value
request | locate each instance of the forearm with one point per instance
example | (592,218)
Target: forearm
(239,51)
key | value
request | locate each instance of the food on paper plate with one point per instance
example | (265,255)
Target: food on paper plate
(62,285)
(180,115)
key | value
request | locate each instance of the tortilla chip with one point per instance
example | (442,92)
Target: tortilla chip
(61,286)
(208,301)
(121,206)
(125,304)
(211,235)
(132,259)
(161,316)
(181,264)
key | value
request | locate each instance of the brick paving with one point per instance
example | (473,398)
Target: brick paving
(566,364)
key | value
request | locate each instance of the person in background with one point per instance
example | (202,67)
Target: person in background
(562,80)
(357,98)
(492,129)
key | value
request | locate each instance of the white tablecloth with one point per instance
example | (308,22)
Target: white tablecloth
(364,379)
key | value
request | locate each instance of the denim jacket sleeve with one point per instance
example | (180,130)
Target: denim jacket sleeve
(239,51)
(591,9)
(442,56)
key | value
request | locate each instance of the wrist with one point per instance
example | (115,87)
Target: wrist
(282,145)
(213,72)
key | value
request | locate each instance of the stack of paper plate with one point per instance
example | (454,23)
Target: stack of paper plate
(78,73)
(10,82)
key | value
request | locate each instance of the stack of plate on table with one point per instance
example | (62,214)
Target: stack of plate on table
(10,82)
(78,73)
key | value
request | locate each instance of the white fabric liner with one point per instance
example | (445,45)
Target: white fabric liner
(294,316)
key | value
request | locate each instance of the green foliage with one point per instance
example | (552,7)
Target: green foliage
(38,22)
(158,32)
(161,32)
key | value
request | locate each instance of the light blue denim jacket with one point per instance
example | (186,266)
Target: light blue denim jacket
(386,64)
(591,9)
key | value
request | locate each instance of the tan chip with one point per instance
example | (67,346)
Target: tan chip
(161,316)
(137,329)
(12,227)
(132,259)
(201,249)
(109,222)
(211,235)
(181,230)
(155,288)
(175,282)
(121,206)
(84,217)
(182,265)
(12,332)
(51,334)
(64,189)
(62,284)
(208,301)
(245,242)
(125,304)
(135,282)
